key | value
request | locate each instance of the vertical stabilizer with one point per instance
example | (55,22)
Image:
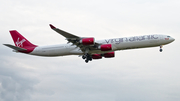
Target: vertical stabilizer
(19,40)
(24,45)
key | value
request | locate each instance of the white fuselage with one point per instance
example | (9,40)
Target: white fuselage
(117,44)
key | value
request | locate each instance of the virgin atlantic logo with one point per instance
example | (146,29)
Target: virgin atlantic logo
(20,43)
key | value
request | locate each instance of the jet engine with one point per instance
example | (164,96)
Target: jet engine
(87,41)
(109,55)
(96,56)
(106,55)
(106,47)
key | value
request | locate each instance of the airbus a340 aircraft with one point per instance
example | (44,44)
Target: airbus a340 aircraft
(87,47)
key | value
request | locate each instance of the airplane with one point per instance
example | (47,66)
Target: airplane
(87,47)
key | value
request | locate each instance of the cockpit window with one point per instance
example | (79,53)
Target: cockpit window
(168,36)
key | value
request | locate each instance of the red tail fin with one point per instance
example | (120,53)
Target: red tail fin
(20,41)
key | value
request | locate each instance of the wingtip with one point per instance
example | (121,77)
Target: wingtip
(52,27)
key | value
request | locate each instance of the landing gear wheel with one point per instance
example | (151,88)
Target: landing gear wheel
(161,48)
(87,57)
(84,57)
(86,61)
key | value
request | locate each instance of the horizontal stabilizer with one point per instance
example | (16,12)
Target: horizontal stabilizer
(15,47)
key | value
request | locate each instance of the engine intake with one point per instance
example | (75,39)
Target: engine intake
(87,41)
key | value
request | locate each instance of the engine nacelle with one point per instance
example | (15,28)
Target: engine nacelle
(87,41)
(106,47)
(106,55)
(109,55)
(96,56)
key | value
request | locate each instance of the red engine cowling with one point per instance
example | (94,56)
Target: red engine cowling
(109,55)
(96,56)
(87,41)
(106,47)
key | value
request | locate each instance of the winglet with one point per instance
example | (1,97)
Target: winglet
(52,27)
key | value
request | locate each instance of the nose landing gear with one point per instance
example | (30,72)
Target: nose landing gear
(161,48)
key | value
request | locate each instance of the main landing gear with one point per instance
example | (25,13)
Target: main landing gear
(87,57)
(161,48)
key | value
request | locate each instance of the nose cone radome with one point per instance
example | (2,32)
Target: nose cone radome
(172,39)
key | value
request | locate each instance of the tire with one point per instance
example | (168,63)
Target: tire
(86,61)
(83,57)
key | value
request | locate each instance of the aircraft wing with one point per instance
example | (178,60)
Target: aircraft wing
(74,39)
(63,33)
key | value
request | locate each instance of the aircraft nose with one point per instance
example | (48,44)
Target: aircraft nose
(172,39)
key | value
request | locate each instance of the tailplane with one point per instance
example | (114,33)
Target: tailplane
(22,44)
(15,47)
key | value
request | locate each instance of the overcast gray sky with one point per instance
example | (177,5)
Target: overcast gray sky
(133,75)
